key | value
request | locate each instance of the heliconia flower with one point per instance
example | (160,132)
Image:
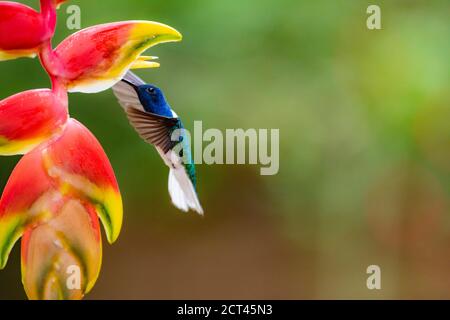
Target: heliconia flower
(96,58)
(29,118)
(54,198)
(23,30)
(64,183)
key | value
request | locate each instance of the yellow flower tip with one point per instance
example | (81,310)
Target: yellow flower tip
(155,32)
(146,58)
(3,263)
(144,62)
(19,147)
(139,64)
(11,229)
(12,55)
(111,214)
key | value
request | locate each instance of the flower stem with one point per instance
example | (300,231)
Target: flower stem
(48,12)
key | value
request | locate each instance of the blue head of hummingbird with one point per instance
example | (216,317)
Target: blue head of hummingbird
(152,99)
(155,121)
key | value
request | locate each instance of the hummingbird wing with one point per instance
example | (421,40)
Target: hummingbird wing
(153,128)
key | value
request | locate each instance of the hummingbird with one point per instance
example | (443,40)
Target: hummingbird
(155,121)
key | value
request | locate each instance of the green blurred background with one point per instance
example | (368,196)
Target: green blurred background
(364,153)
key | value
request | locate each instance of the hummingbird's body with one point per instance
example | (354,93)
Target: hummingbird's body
(156,122)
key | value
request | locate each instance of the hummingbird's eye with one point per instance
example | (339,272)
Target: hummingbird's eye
(151,90)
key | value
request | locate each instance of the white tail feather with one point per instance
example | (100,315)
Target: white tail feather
(182,191)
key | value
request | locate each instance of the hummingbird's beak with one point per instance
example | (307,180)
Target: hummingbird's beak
(130,83)
(133,80)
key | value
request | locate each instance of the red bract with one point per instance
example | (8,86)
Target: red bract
(64,184)
(96,58)
(29,118)
(23,30)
